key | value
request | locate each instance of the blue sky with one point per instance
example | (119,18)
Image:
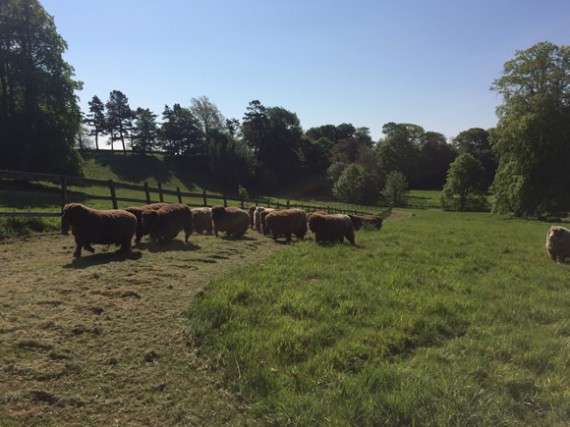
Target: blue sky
(365,62)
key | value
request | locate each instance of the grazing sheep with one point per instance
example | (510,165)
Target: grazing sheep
(375,220)
(262,223)
(287,222)
(331,228)
(258,224)
(202,220)
(558,243)
(165,223)
(251,212)
(231,220)
(99,226)
(137,211)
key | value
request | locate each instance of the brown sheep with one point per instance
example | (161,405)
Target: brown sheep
(104,227)
(558,243)
(262,223)
(332,228)
(359,220)
(231,220)
(251,212)
(137,211)
(202,220)
(258,223)
(287,222)
(165,223)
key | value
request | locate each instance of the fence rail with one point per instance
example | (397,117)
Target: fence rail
(150,195)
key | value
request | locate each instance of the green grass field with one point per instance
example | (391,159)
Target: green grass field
(438,319)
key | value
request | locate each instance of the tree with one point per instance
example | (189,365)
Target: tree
(399,150)
(396,189)
(355,185)
(180,133)
(434,157)
(207,114)
(476,141)
(145,131)
(532,137)
(119,117)
(96,118)
(255,126)
(39,112)
(465,186)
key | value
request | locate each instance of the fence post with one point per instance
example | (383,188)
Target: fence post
(64,225)
(113,194)
(225,201)
(242,203)
(147,193)
(278,207)
(160,195)
(179,195)
(204,197)
(288,205)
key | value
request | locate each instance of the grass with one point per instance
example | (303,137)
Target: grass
(439,319)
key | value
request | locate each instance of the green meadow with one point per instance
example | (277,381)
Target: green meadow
(438,319)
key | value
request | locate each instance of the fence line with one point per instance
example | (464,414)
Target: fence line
(64,182)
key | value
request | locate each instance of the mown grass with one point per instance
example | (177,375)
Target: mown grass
(439,319)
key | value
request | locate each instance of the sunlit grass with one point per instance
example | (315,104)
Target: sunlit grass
(439,319)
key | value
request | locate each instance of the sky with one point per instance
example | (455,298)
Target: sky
(364,62)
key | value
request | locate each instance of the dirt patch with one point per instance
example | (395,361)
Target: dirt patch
(101,340)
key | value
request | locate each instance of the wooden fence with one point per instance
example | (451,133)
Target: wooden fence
(149,195)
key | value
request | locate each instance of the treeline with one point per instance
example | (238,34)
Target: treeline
(268,148)
(525,157)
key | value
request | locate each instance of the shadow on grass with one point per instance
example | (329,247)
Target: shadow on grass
(102,258)
(26,195)
(134,168)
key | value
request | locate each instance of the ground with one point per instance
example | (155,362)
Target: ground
(102,340)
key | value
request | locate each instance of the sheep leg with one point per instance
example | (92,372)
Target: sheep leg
(125,247)
(88,247)
(78,246)
(288,237)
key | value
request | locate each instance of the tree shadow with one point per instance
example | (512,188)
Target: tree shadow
(133,167)
(27,195)
(102,258)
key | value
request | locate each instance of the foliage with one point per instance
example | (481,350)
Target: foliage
(96,118)
(274,136)
(465,186)
(180,133)
(396,189)
(207,114)
(410,328)
(39,113)
(532,138)
(476,141)
(145,131)
(243,194)
(423,157)
(355,185)
(119,117)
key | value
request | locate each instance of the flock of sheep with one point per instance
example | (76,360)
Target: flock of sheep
(164,221)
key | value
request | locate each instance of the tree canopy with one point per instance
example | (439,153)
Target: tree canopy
(39,114)
(465,186)
(532,138)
